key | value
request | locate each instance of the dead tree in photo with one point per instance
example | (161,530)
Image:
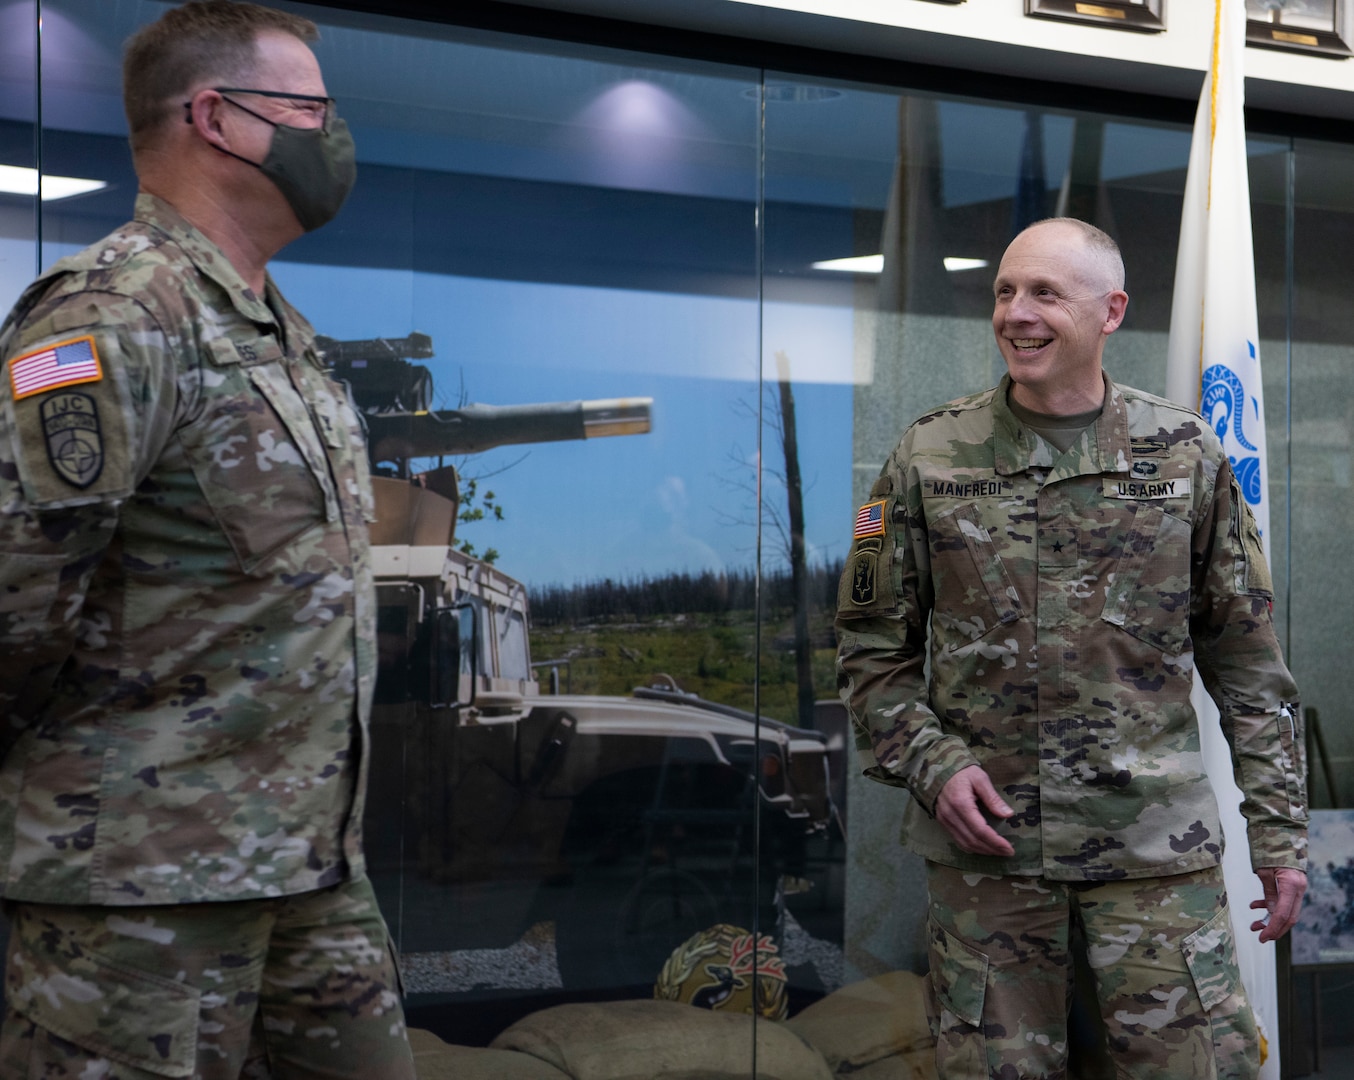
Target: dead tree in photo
(799,571)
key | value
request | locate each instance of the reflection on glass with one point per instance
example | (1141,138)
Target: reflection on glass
(1322,444)
(18,111)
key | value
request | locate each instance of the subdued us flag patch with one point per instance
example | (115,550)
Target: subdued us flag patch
(67,363)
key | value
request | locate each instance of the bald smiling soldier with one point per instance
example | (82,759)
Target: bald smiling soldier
(1070,549)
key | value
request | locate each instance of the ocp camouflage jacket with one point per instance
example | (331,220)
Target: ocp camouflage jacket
(1068,599)
(186,599)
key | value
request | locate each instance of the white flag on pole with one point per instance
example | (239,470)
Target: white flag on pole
(1213,365)
(1213,358)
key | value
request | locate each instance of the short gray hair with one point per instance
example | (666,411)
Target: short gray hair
(1100,244)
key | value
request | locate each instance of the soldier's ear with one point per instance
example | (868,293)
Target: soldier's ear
(1118,305)
(205,111)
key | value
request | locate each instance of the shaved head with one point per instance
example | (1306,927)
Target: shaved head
(1104,265)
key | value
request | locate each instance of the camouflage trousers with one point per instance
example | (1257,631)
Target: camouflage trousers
(1161,952)
(297,987)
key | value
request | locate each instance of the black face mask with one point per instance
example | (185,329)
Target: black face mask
(314,168)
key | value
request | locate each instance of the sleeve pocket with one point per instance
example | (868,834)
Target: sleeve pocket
(1255,573)
(136,1019)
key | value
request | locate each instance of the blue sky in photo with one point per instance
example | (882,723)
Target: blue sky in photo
(678,498)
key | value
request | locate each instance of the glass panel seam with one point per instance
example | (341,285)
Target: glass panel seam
(37,135)
(759,269)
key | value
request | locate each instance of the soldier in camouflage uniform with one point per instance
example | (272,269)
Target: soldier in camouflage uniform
(1072,548)
(187,607)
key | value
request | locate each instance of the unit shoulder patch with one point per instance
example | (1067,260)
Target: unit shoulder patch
(863,579)
(867,583)
(74,437)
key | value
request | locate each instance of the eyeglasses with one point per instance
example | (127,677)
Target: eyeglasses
(309,104)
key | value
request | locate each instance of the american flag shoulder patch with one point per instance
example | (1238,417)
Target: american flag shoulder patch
(67,363)
(870,520)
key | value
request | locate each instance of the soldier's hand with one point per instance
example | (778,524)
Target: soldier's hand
(1283,887)
(960,808)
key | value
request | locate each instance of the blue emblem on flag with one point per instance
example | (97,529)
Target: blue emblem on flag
(1223,404)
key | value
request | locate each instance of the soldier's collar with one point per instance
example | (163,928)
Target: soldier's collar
(209,259)
(300,335)
(1111,430)
(1016,449)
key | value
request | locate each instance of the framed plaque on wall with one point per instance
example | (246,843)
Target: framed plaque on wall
(1319,27)
(1144,15)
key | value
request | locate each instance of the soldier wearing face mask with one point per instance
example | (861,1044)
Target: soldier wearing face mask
(187,608)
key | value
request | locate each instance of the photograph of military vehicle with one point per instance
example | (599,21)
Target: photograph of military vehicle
(502,810)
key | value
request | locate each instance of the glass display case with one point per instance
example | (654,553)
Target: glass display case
(634,335)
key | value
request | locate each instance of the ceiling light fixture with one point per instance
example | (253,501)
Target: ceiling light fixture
(15,180)
(861,264)
(874,264)
(794,93)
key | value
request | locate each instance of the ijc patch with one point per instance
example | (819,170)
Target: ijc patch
(870,520)
(70,425)
(67,363)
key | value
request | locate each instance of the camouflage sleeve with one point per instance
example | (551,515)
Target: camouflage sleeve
(1242,668)
(81,419)
(884,607)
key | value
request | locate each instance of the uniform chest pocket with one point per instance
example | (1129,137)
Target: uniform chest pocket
(973,591)
(355,449)
(258,463)
(1149,593)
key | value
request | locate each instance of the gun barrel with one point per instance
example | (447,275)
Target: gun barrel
(414,346)
(616,416)
(473,428)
